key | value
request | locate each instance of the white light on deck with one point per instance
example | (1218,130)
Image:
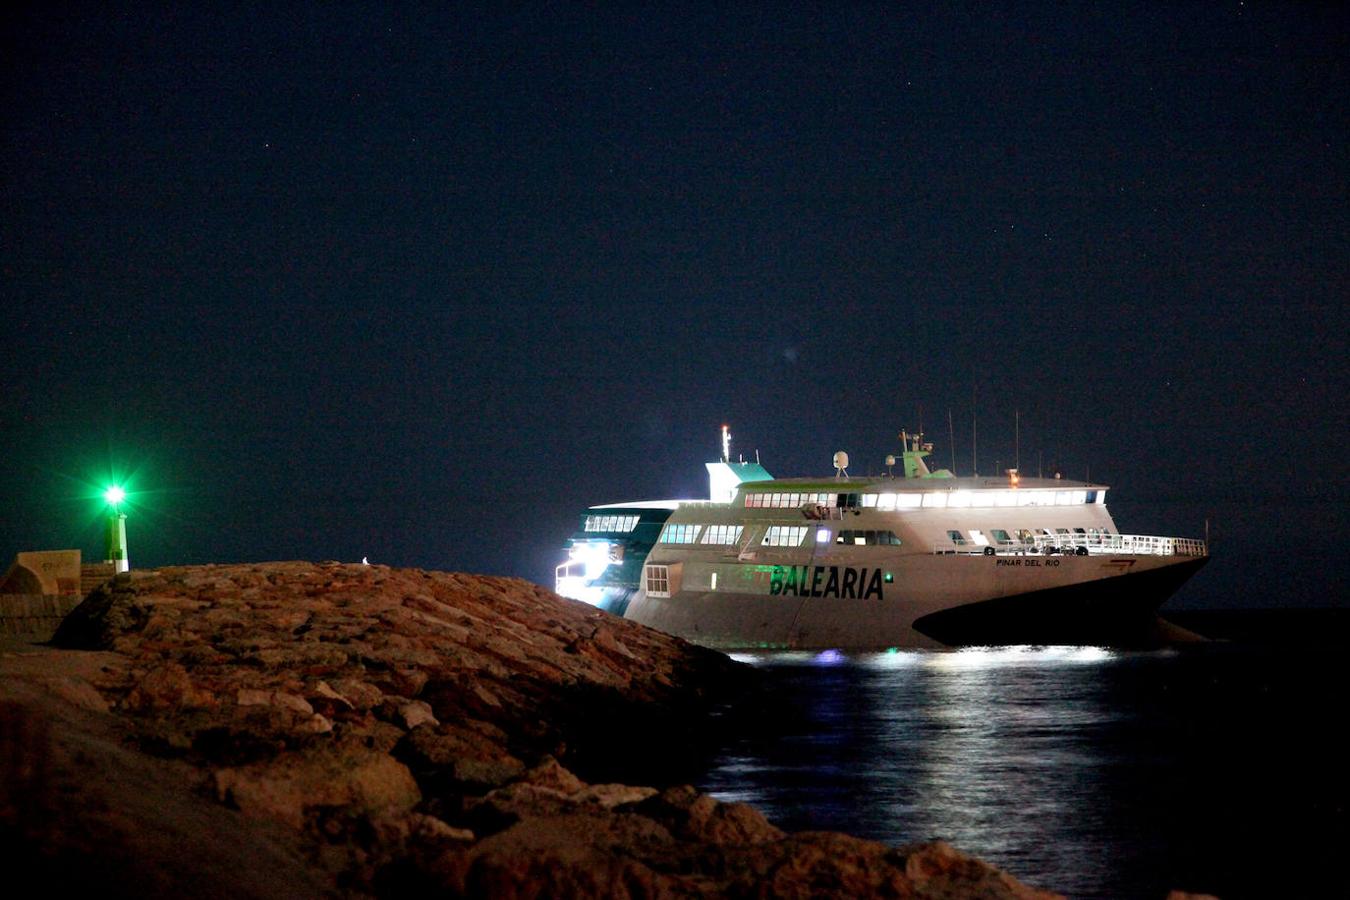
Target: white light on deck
(578,589)
(594,555)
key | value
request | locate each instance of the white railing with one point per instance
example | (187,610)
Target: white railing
(1115,544)
(569,576)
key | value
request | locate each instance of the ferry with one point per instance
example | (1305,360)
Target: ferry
(914,558)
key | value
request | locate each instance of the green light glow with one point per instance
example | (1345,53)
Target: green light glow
(114,495)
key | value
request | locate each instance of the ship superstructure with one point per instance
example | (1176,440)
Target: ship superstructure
(913,559)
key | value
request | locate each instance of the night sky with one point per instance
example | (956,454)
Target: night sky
(420,285)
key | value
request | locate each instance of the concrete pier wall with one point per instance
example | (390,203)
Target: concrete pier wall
(34,617)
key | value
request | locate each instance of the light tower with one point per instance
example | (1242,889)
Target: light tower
(117,530)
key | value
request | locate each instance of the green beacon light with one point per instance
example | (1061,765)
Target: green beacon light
(117,530)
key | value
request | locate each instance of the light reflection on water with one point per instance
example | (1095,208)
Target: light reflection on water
(1068,766)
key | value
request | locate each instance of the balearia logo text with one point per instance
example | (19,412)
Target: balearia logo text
(826,581)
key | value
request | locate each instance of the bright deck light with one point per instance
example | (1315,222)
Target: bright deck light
(114,495)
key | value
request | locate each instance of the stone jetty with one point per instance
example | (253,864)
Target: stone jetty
(293,729)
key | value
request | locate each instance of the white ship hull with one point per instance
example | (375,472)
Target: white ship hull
(933,601)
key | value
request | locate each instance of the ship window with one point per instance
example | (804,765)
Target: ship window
(935,500)
(679,534)
(784,535)
(979,538)
(886,501)
(721,534)
(1001,536)
(960,499)
(869,537)
(869,501)
(908,501)
(1025,536)
(657,581)
(956,538)
(1091,496)
(1005,498)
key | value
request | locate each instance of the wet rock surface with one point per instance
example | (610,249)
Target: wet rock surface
(297,729)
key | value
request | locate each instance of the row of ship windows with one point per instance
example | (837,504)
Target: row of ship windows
(1024,535)
(611,523)
(689,534)
(793,535)
(774,536)
(927,500)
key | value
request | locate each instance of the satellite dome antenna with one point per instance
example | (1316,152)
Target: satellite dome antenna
(890,464)
(840,464)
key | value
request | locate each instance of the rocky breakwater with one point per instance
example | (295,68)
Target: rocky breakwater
(291,729)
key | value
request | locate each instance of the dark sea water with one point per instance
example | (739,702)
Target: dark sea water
(1215,768)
